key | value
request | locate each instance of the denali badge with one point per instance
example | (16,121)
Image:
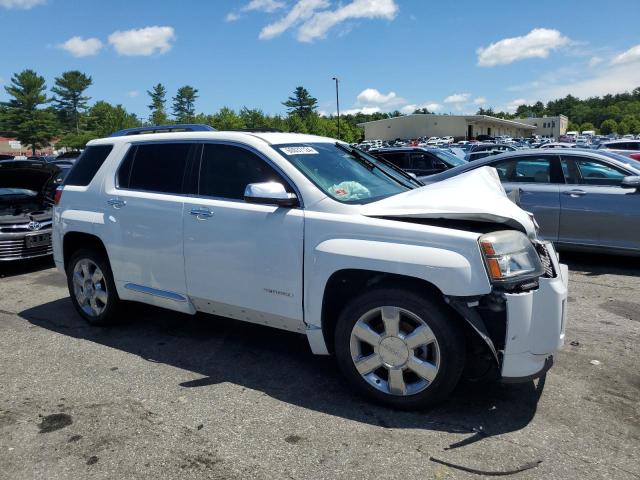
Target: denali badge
(278,292)
(33,225)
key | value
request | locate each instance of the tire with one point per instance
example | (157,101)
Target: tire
(439,356)
(96,308)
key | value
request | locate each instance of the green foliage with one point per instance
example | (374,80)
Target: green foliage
(184,108)
(158,105)
(104,119)
(573,127)
(23,115)
(69,101)
(608,126)
(301,103)
(585,127)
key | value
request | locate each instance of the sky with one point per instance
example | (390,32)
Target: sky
(450,57)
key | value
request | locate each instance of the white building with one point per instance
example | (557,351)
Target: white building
(458,126)
(548,126)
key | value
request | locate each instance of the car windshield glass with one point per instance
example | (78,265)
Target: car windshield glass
(635,164)
(344,176)
(449,158)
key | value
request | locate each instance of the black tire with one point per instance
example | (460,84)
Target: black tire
(449,336)
(108,315)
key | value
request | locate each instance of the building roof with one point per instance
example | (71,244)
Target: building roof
(468,118)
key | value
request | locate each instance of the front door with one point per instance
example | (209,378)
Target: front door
(242,260)
(596,210)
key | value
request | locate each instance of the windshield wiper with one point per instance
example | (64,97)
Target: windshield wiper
(361,158)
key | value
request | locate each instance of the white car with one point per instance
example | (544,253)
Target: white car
(447,139)
(407,285)
(433,141)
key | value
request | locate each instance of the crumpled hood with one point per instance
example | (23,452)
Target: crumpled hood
(476,195)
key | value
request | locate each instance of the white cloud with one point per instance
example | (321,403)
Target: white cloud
(143,41)
(263,6)
(133,93)
(21,4)
(432,107)
(314,18)
(320,23)
(301,11)
(480,100)
(593,61)
(631,55)
(458,98)
(371,95)
(365,110)
(80,47)
(232,17)
(614,79)
(538,43)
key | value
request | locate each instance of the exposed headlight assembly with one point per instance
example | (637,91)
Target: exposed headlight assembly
(510,256)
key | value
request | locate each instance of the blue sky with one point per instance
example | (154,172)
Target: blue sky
(389,54)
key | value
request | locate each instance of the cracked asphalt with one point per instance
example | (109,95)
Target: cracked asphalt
(166,396)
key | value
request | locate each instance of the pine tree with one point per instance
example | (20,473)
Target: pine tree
(23,117)
(184,104)
(301,103)
(69,100)
(158,104)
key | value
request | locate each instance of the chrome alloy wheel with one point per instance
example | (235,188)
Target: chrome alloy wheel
(395,351)
(90,287)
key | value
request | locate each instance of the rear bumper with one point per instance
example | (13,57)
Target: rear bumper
(535,327)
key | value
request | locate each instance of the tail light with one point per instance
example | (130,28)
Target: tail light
(58,195)
(635,156)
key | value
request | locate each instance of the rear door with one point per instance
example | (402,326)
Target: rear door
(596,210)
(143,222)
(536,178)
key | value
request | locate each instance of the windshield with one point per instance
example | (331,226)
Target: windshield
(343,176)
(450,159)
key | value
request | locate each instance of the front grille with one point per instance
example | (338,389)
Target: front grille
(545,259)
(16,250)
(23,227)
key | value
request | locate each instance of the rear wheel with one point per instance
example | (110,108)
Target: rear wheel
(93,292)
(399,348)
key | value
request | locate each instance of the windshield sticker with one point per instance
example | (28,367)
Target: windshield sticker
(299,150)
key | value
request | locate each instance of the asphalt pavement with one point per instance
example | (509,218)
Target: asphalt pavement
(166,396)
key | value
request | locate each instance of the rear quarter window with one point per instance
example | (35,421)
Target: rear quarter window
(87,165)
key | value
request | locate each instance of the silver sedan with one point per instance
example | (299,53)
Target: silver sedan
(582,199)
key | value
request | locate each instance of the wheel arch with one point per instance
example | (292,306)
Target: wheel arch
(74,241)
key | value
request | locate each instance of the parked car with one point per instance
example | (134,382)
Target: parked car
(482,150)
(628,147)
(307,234)
(418,160)
(26,199)
(582,199)
(4,157)
(558,145)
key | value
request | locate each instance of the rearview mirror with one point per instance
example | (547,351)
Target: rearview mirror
(269,193)
(632,181)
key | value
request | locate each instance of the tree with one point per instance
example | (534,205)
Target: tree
(573,127)
(158,104)
(104,119)
(184,107)
(23,117)
(421,110)
(69,100)
(585,127)
(253,118)
(227,119)
(301,103)
(608,126)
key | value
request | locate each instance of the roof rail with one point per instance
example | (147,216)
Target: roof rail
(185,127)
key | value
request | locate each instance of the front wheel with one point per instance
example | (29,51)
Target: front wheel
(399,348)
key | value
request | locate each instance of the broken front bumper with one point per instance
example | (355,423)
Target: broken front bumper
(535,325)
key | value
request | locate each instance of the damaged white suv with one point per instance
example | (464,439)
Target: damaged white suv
(408,286)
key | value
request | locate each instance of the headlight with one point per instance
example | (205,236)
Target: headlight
(510,256)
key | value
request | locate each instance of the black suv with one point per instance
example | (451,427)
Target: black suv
(418,160)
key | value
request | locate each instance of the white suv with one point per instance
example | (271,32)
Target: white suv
(409,286)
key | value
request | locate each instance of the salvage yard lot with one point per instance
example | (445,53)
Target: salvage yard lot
(166,395)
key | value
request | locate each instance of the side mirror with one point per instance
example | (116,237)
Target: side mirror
(269,193)
(632,181)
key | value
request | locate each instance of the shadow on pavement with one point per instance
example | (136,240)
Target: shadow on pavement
(22,267)
(594,264)
(281,365)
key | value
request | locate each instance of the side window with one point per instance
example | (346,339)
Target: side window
(525,170)
(399,159)
(421,161)
(226,170)
(88,165)
(157,167)
(593,172)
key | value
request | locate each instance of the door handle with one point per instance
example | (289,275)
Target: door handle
(201,213)
(116,203)
(575,192)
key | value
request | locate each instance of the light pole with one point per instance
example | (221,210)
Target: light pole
(337,104)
